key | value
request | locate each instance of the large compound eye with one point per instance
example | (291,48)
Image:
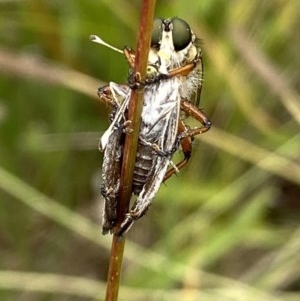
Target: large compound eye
(156,33)
(182,35)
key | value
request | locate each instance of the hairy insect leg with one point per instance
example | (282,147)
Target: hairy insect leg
(155,74)
(129,55)
(196,113)
(185,134)
(157,69)
(184,70)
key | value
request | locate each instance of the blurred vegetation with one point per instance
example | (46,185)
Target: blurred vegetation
(226,228)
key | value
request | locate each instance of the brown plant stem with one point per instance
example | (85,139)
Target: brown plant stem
(130,147)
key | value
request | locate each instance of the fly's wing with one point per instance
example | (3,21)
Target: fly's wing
(157,131)
(151,187)
(161,113)
(148,192)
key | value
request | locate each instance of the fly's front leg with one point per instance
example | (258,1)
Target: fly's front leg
(129,55)
(184,70)
(157,69)
(154,75)
(134,79)
(196,113)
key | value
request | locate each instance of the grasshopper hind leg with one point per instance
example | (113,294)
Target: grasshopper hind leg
(109,216)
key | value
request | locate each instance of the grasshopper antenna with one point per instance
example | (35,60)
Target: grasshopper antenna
(98,40)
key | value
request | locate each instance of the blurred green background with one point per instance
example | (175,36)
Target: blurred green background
(226,228)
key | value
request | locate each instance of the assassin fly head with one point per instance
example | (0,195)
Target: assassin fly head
(174,41)
(178,30)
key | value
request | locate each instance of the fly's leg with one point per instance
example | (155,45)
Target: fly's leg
(184,70)
(129,55)
(153,75)
(157,71)
(197,114)
(134,79)
(185,135)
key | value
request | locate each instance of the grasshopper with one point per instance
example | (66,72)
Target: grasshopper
(171,93)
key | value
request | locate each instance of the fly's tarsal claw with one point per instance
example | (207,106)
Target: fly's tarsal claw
(163,153)
(135,81)
(176,170)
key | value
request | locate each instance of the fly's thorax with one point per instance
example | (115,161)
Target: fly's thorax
(169,54)
(160,116)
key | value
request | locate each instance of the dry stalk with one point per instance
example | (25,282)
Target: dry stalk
(130,147)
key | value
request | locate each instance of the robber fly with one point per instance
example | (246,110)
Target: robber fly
(171,90)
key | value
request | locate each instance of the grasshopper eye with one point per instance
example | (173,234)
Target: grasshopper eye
(156,33)
(182,34)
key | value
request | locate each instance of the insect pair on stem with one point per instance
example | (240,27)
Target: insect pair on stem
(172,90)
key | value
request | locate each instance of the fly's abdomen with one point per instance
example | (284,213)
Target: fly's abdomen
(142,167)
